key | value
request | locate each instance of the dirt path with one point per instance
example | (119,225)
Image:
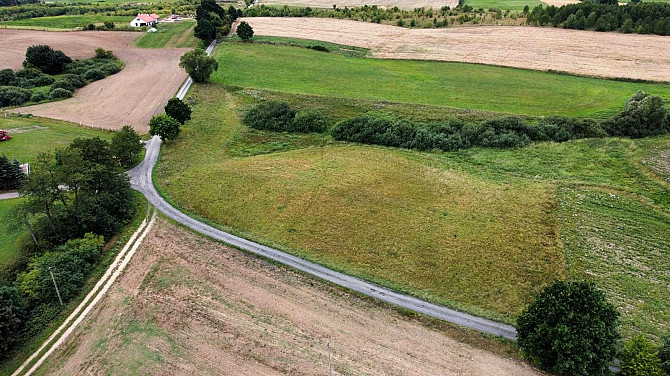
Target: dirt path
(132,96)
(188,306)
(581,52)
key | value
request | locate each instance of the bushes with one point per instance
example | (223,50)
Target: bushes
(6,76)
(12,315)
(271,116)
(13,96)
(94,74)
(643,115)
(38,96)
(46,59)
(640,358)
(309,121)
(75,80)
(570,329)
(60,93)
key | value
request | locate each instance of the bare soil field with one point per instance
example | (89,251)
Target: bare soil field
(560,3)
(132,96)
(402,4)
(612,55)
(186,306)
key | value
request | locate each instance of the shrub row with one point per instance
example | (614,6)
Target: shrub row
(280,117)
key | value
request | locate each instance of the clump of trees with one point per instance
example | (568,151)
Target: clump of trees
(198,65)
(570,329)
(11,174)
(213,22)
(41,64)
(280,117)
(75,198)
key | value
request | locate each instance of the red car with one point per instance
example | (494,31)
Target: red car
(4,136)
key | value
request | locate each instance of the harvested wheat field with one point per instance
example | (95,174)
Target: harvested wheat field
(402,4)
(132,96)
(187,306)
(590,53)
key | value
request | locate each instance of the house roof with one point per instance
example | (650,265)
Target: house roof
(154,15)
(146,18)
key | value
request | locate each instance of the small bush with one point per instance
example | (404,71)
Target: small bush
(59,93)
(13,96)
(6,77)
(76,80)
(640,358)
(110,69)
(94,75)
(42,80)
(28,73)
(101,53)
(319,48)
(22,83)
(501,132)
(271,116)
(62,84)
(575,127)
(38,97)
(309,121)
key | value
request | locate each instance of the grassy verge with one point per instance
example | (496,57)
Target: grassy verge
(176,34)
(459,85)
(34,135)
(68,22)
(480,230)
(307,43)
(9,236)
(111,249)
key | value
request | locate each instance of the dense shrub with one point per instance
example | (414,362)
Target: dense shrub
(501,132)
(6,77)
(13,96)
(570,329)
(640,358)
(319,48)
(101,53)
(664,354)
(62,84)
(643,115)
(309,121)
(28,73)
(22,83)
(12,315)
(94,74)
(576,128)
(76,80)
(46,59)
(42,80)
(178,110)
(11,174)
(60,93)
(38,96)
(271,116)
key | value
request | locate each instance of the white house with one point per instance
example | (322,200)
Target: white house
(144,20)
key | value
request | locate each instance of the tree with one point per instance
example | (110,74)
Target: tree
(11,319)
(11,174)
(164,126)
(244,31)
(198,65)
(570,329)
(46,59)
(125,145)
(643,115)
(178,110)
(640,358)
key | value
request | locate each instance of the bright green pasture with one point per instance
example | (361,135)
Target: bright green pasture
(175,34)
(32,136)
(517,5)
(68,22)
(9,236)
(518,91)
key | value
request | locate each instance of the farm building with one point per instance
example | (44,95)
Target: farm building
(144,20)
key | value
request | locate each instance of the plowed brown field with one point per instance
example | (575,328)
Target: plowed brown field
(402,4)
(618,55)
(189,306)
(132,96)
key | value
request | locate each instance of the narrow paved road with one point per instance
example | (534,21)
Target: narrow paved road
(141,180)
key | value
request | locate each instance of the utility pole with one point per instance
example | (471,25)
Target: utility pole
(58,292)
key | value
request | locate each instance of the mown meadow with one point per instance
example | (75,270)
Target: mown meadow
(175,34)
(482,229)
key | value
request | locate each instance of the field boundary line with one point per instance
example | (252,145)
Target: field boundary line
(91,299)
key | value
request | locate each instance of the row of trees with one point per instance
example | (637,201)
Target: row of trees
(643,18)
(214,22)
(75,198)
(571,329)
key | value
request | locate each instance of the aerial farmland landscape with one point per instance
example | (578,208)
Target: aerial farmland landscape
(295,187)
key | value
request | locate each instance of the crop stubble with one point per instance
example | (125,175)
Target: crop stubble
(612,55)
(132,96)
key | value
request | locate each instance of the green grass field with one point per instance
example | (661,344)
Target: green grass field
(32,136)
(517,91)
(177,34)
(9,236)
(67,22)
(516,5)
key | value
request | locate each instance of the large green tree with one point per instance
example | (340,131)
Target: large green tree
(11,319)
(125,145)
(198,65)
(178,110)
(11,174)
(245,31)
(164,126)
(46,59)
(570,329)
